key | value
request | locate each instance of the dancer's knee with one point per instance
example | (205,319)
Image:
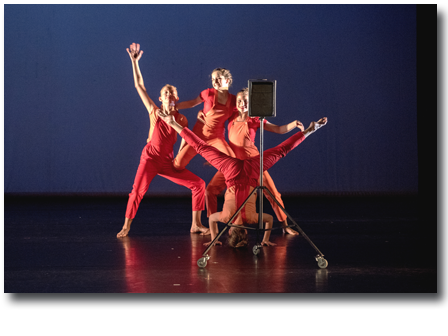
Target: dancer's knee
(199,185)
(212,190)
(177,164)
(136,194)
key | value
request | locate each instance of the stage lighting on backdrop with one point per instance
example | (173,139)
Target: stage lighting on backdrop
(262,93)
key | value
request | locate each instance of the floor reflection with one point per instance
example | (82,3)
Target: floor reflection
(161,256)
(232,270)
(169,265)
(135,262)
(321,280)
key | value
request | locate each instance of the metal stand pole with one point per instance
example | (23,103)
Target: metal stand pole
(260,189)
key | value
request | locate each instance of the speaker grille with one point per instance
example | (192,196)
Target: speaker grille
(262,98)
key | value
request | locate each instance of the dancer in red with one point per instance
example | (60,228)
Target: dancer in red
(241,175)
(157,156)
(242,132)
(219,106)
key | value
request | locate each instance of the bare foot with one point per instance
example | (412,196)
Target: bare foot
(206,232)
(124,232)
(202,230)
(318,124)
(290,231)
(315,125)
(321,122)
(267,243)
(287,229)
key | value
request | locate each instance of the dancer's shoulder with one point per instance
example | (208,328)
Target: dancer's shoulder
(181,120)
(207,93)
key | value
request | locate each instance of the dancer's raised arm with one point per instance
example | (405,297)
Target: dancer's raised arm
(135,54)
(157,155)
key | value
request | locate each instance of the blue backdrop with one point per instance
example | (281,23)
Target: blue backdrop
(74,123)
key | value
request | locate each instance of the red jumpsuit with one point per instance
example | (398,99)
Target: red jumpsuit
(241,176)
(213,133)
(157,159)
(242,141)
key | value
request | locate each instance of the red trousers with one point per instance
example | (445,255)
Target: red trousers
(187,152)
(217,183)
(152,164)
(242,174)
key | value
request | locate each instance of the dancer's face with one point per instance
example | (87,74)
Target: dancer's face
(219,81)
(242,102)
(168,96)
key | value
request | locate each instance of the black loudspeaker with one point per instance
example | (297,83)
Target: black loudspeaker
(262,93)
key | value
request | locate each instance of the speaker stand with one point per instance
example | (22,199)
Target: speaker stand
(202,262)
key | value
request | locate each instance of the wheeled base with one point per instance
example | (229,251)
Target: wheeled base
(321,261)
(202,262)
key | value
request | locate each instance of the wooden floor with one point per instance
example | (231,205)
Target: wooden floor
(69,245)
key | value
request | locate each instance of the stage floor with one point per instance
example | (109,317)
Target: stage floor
(69,245)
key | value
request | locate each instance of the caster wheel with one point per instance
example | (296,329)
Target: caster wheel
(322,263)
(256,249)
(202,262)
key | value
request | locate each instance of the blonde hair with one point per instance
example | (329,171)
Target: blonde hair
(172,88)
(238,238)
(225,73)
(243,91)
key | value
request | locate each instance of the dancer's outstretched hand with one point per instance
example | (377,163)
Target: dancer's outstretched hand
(168,118)
(134,51)
(216,243)
(201,117)
(267,243)
(300,125)
(322,121)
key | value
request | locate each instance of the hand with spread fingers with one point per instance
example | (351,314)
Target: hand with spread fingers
(134,52)
(267,243)
(216,243)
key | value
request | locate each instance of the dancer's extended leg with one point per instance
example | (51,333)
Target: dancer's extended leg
(184,157)
(187,153)
(281,216)
(269,183)
(272,155)
(197,186)
(214,188)
(146,171)
(215,157)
